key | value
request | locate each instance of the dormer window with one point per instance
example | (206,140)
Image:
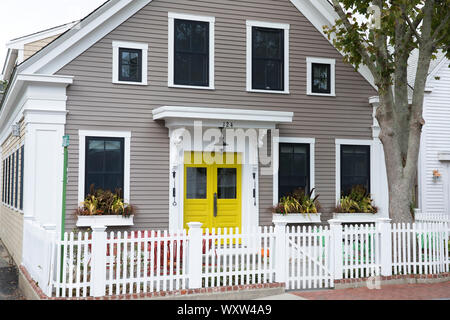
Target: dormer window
(321,76)
(130,63)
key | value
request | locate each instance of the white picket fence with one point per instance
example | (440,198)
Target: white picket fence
(308,258)
(420,248)
(361,251)
(101,263)
(231,257)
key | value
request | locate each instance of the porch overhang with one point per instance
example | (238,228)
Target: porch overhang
(244,118)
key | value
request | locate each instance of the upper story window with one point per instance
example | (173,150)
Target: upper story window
(267,57)
(191,51)
(321,76)
(130,63)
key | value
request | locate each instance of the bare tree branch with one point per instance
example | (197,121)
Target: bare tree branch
(413,26)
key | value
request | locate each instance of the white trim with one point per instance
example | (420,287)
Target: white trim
(177,112)
(211,20)
(82,134)
(353,142)
(115,66)
(276,159)
(286,27)
(332,63)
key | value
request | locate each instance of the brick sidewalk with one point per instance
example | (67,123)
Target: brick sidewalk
(387,292)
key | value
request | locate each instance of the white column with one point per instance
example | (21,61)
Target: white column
(44,112)
(336,253)
(98,270)
(280,252)
(380,190)
(195,253)
(384,228)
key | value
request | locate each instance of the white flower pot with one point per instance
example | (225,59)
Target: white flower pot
(297,218)
(356,217)
(107,221)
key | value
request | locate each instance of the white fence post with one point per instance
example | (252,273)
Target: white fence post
(384,228)
(336,252)
(280,252)
(195,252)
(98,269)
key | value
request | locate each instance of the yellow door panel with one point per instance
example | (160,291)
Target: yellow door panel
(212,187)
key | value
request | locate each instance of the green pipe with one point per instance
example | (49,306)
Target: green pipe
(63,215)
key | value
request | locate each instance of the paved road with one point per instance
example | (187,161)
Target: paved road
(434,291)
(8,277)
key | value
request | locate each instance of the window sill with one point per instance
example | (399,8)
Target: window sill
(268,91)
(130,83)
(190,87)
(321,94)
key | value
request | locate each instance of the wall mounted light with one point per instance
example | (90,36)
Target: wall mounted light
(436,175)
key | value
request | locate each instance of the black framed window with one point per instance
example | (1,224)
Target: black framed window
(8,200)
(191,56)
(11,201)
(294,168)
(130,65)
(321,78)
(22,163)
(4,181)
(104,167)
(355,168)
(16,185)
(268,59)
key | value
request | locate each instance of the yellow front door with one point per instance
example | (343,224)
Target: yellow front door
(212,192)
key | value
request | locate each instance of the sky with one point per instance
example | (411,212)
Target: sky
(22,17)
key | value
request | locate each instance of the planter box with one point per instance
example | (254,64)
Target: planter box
(297,218)
(107,221)
(356,217)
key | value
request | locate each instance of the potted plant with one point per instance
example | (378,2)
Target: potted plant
(298,207)
(357,206)
(104,208)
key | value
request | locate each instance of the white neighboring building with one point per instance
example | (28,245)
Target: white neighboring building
(434,158)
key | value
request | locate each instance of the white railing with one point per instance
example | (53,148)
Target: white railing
(231,257)
(308,264)
(100,263)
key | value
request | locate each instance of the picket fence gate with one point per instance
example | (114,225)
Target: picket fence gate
(115,263)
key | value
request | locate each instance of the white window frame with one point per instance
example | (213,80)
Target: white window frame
(276,159)
(82,158)
(353,142)
(171,54)
(332,63)
(130,45)
(286,27)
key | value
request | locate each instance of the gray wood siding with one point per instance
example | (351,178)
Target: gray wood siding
(95,103)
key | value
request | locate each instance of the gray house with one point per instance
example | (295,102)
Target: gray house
(144,87)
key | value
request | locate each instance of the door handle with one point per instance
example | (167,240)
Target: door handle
(215,204)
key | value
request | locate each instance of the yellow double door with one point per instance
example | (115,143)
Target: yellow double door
(212,192)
